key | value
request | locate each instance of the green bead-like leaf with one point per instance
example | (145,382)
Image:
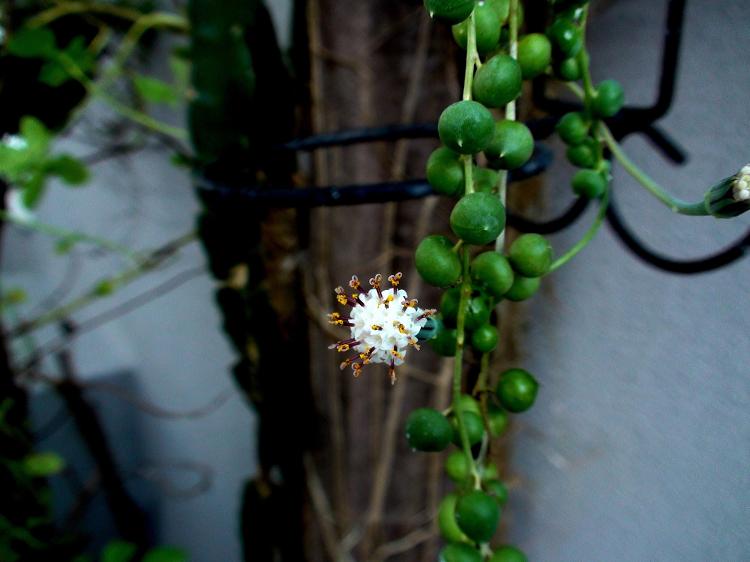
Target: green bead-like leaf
(119,551)
(43,464)
(71,170)
(155,90)
(165,554)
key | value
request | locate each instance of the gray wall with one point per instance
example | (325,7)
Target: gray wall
(638,446)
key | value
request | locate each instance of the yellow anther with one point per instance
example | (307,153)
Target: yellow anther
(354,283)
(342,299)
(395,279)
(343,347)
(376,328)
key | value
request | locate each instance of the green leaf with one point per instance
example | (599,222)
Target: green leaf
(165,554)
(65,245)
(179,62)
(36,135)
(43,464)
(155,90)
(54,72)
(118,551)
(33,43)
(33,189)
(14,296)
(71,170)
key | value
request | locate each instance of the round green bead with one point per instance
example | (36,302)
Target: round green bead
(485,338)
(498,81)
(530,255)
(467,403)
(497,490)
(534,55)
(589,183)
(445,171)
(444,343)
(428,430)
(449,304)
(449,10)
(609,99)
(511,145)
(493,272)
(522,288)
(457,467)
(517,390)
(447,520)
(474,428)
(485,180)
(568,69)
(573,128)
(477,515)
(565,36)
(582,155)
(457,552)
(477,313)
(466,127)
(508,554)
(478,218)
(487,23)
(436,262)
(498,420)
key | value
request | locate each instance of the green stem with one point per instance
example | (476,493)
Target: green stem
(590,233)
(675,204)
(68,8)
(139,117)
(471,57)
(510,114)
(69,235)
(104,287)
(458,362)
(468,173)
(583,61)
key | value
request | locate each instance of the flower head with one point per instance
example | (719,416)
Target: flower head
(383,324)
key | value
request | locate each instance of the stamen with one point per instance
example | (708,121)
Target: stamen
(343,298)
(357,369)
(395,279)
(354,283)
(376,284)
(409,304)
(392,373)
(365,357)
(344,345)
(415,343)
(376,327)
(427,314)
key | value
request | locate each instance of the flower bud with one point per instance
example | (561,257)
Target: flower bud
(731,196)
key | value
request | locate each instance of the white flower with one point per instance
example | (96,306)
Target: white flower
(15,142)
(383,324)
(741,185)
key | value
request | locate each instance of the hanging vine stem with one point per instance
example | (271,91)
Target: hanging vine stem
(510,114)
(70,236)
(107,286)
(70,8)
(587,237)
